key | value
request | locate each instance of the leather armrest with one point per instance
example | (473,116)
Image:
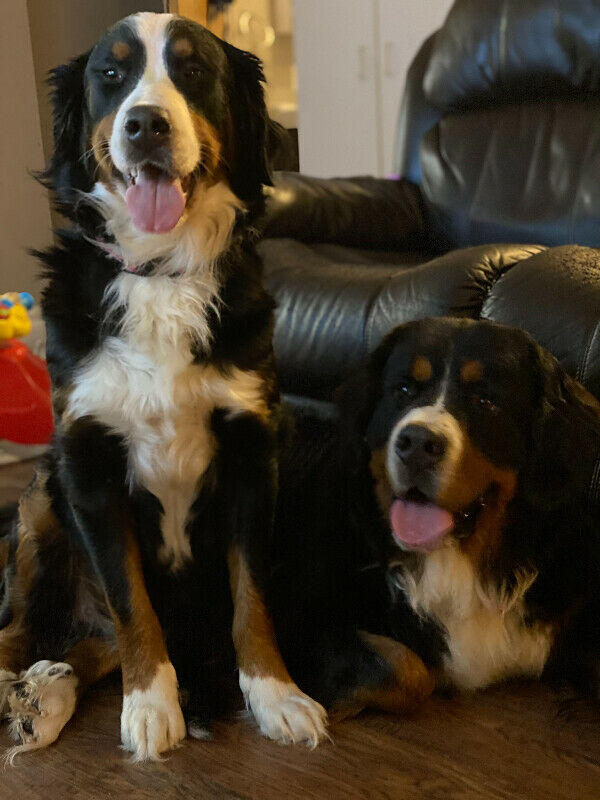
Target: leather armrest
(357,212)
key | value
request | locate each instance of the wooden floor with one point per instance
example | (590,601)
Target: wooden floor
(509,743)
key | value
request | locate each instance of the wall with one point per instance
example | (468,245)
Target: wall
(24,212)
(34,37)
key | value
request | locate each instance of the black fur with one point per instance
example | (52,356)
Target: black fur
(69,170)
(335,551)
(86,471)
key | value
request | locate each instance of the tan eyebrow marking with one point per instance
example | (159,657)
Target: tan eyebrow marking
(421,369)
(471,371)
(121,50)
(182,47)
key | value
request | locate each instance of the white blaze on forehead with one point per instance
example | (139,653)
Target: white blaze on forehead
(151,30)
(155,88)
(440,401)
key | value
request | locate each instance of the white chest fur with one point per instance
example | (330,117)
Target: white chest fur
(488,639)
(143,385)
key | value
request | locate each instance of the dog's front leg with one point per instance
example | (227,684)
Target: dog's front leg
(94,474)
(248,487)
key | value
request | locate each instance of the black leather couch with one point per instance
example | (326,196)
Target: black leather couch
(499,157)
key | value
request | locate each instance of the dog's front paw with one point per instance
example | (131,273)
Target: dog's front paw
(283,712)
(151,720)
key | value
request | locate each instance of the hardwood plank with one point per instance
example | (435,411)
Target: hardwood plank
(508,743)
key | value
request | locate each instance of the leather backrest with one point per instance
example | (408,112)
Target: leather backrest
(506,51)
(500,123)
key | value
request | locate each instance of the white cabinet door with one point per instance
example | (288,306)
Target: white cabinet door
(338,125)
(402,28)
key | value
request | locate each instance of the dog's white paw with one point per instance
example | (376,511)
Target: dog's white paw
(283,712)
(151,720)
(41,702)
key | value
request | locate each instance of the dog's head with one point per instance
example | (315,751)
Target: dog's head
(459,417)
(157,112)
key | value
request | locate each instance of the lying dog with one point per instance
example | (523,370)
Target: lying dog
(448,532)
(160,486)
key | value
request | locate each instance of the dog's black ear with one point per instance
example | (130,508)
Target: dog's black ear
(281,154)
(246,151)
(565,456)
(357,396)
(354,399)
(68,171)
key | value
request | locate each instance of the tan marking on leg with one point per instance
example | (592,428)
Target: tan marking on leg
(151,717)
(140,641)
(407,688)
(253,634)
(35,521)
(92,659)
(14,646)
(282,711)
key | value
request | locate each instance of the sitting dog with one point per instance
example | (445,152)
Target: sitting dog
(447,531)
(145,529)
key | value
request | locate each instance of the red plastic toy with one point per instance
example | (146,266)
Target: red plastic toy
(26,421)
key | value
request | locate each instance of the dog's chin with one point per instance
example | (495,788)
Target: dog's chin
(419,523)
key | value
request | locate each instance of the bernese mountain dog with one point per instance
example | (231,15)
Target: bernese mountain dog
(446,533)
(145,530)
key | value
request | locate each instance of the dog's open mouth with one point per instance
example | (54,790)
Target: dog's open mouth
(419,524)
(156,199)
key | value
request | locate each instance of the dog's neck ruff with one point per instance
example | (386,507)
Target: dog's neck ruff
(143,269)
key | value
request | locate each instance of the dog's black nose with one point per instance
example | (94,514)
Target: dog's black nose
(420,448)
(146,128)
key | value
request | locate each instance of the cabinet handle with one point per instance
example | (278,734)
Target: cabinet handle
(388,60)
(363,63)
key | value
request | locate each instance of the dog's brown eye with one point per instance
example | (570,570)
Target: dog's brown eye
(193,73)
(404,391)
(112,75)
(485,404)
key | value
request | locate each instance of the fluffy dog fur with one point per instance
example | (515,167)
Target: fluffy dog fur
(152,511)
(364,619)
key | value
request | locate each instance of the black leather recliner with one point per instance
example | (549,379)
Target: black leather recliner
(499,158)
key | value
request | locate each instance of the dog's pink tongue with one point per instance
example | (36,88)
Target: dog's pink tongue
(419,526)
(155,202)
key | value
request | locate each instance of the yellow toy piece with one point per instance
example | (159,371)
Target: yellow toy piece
(14,319)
